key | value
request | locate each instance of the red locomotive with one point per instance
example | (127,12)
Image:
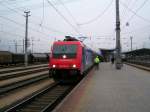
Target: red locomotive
(69,60)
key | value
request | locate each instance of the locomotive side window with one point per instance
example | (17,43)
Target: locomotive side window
(68,50)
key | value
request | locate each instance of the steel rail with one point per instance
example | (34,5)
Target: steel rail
(42,101)
(22,83)
(21,73)
(8,70)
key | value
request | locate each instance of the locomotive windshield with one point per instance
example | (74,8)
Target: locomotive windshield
(68,50)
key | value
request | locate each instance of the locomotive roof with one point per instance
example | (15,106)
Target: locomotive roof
(74,42)
(69,42)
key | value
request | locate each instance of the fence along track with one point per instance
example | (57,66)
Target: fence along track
(43,101)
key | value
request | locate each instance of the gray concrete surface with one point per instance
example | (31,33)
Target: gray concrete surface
(110,90)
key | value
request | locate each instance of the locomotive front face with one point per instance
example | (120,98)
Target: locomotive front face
(64,56)
(65,62)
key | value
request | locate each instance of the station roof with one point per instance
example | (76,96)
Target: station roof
(108,50)
(139,51)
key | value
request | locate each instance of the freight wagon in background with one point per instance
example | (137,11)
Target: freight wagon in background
(5,57)
(40,57)
(8,58)
(19,58)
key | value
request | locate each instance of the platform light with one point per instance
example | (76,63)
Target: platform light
(54,66)
(74,66)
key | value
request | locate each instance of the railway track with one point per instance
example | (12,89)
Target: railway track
(20,65)
(13,69)
(16,79)
(42,101)
(14,83)
(21,73)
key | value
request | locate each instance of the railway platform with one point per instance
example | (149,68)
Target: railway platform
(110,90)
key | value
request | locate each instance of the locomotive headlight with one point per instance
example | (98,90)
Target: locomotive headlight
(64,56)
(74,66)
(54,66)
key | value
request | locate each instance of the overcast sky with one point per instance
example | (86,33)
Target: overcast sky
(51,20)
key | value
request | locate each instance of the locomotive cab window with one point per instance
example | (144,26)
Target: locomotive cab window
(68,50)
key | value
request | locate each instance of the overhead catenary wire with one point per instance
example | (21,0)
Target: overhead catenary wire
(21,25)
(12,34)
(5,18)
(11,9)
(140,7)
(97,17)
(129,4)
(124,11)
(107,36)
(69,12)
(138,30)
(135,13)
(45,27)
(65,19)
